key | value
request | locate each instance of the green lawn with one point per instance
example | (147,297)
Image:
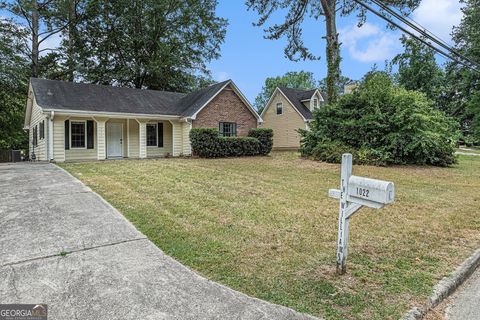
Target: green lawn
(265,226)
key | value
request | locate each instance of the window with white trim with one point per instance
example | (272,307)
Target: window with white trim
(151,134)
(78,134)
(315,102)
(227,129)
(279,108)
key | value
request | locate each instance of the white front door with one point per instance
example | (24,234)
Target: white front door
(114,140)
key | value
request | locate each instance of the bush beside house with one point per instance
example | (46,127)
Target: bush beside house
(381,124)
(207,143)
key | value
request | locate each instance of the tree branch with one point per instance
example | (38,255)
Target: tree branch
(49,49)
(24,14)
(52,33)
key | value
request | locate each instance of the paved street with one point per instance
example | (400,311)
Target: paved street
(62,245)
(465,303)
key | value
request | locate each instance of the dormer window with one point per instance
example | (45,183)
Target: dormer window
(315,102)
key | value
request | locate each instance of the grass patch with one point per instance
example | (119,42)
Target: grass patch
(265,226)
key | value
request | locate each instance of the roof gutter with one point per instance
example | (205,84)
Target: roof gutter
(66,112)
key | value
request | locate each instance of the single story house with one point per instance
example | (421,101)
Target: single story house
(75,121)
(288,110)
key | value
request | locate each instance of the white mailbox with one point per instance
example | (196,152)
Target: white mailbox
(354,193)
(370,190)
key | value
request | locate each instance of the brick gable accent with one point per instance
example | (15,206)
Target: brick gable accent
(226,107)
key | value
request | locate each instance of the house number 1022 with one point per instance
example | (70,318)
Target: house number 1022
(362,192)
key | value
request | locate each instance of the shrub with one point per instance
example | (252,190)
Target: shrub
(207,143)
(381,124)
(265,136)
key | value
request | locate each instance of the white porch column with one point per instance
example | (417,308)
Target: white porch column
(142,139)
(50,136)
(128,138)
(177,147)
(101,151)
(187,148)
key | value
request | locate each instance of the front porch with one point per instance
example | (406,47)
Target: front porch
(99,138)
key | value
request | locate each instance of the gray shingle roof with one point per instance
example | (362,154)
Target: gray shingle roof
(61,95)
(197,99)
(296,96)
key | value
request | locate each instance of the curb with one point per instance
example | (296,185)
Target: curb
(446,287)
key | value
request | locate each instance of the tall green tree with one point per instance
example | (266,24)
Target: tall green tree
(418,70)
(148,43)
(14,70)
(464,82)
(42,19)
(325,10)
(296,80)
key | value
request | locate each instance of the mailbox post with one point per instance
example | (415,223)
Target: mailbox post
(356,192)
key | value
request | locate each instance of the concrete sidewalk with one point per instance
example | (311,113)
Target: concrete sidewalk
(61,244)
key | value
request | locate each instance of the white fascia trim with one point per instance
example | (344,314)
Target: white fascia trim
(247,103)
(194,116)
(319,94)
(293,106)
(288,100)
(67,112)
(29,107)
(238,92)
(268,102)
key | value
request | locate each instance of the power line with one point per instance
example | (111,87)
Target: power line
(424,32)
(428,44)
(423,28)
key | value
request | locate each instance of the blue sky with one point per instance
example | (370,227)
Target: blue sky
(248,58)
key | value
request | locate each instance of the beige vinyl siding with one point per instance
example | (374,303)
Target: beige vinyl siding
(59,139)
(174,132)
(35,120)
(285,126)
(133,139)
(177,138)
(187,149)
(167,141)
(83,153)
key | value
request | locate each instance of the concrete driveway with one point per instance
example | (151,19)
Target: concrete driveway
(63,245)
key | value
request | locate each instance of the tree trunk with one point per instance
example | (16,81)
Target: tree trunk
(72,12)
(332,51)
(35,27)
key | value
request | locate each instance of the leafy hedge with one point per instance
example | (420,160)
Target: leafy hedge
(207,143)
(381,124)
(265,136)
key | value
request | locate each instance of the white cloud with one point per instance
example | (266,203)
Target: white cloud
(221,76)
(369,43)
(439,16)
